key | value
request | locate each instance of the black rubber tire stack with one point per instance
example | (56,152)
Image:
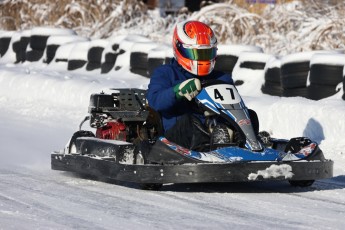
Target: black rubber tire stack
(326,72)
(250,61)
(23,44)
(78,56)
(38,41)
(157,57)
(272,85)
(61,56)
(54,42)
(50,53)
(9,41)
(37,45)
(5,39)
(294,74)
(94,55)
(227,56)
(139,58)
(110,54)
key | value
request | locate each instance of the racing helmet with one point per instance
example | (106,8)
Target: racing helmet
(195,47)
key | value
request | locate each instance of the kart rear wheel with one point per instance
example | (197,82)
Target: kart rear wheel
(72,148)
(140,158)
(301,183)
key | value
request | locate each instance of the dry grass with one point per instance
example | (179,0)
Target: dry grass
(79,15)
(278,28)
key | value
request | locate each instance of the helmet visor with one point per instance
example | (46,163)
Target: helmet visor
(200,53)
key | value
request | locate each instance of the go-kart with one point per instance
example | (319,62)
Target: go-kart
(129,144)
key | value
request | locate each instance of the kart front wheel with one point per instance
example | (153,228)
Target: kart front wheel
(301,183)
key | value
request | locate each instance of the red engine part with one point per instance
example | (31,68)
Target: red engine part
(114,130)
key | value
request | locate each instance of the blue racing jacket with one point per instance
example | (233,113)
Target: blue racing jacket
(161,96)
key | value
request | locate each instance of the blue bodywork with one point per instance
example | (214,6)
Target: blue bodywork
(223,100)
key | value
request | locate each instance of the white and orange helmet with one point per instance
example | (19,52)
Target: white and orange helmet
(195,47)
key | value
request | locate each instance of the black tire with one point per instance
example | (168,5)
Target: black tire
(109,62)
(317,92)
(95,54)
(75,64)
(138,60)
(273,75)
(142,72)
(106,67)
(225,63)
(24,42)
(295,67)
(93,65)
(38,42)
(294,75)
(153,63)
(50,53)
(296,92)
(34,55)
(301,183)
(4,44)
(322,74)
(16,46)
(272,88)
(255,121)
(110,57)
(72,147)
(253,65)
(295,80)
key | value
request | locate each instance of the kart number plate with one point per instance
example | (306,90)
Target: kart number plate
(224,94)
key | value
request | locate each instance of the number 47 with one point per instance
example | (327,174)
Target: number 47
(218,95)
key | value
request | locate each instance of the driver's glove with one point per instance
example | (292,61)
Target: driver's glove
(188,89)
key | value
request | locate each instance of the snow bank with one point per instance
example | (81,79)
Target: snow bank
(328,59)
(63,39)
(236,50)
(48,31)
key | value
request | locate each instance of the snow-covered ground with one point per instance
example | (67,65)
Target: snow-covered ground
(41,107)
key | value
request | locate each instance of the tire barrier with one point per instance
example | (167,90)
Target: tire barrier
(125,48)
(10,55)
(5,39)
(78,56)
(109,57)
(139,58)
(313,75)
(294,74)
(250,67)
(55,41)
(227,56)
(157,57)
(326,72)
(60,60)
(94,55)
(272,85)
(38,41)
(20,45)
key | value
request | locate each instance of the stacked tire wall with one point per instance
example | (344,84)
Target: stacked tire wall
(326,73)
(313,75)
(272,85)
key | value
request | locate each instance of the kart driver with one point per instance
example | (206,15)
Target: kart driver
(173,86)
